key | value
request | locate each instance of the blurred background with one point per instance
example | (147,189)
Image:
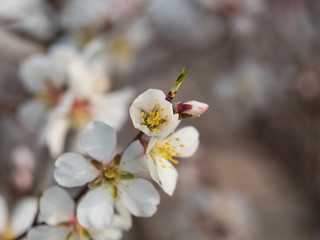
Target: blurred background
(256,63)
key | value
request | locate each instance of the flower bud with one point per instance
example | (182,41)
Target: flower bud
(190,109)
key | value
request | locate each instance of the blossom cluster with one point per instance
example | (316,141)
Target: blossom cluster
(68,88)
(114,184)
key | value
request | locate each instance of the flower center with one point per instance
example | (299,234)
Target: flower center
(51,96)
(153,119)
(79,113)
(109,175)
(166,150)
(76,231)
(7,234)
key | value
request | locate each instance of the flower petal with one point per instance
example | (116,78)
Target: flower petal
(30,114)
(168,176)
(99,141)
(3,213)
(33,73)
(56,206)
(186,141)
(112,108)
(23,215)
(133,159)
(39,71)
(47,232)
(139,196)
(73,170)
(95,210)
(108,234)
(56,135)
(153,170)
(123,219)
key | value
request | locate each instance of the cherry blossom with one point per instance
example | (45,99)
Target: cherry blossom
(57,210)
(110,178)
(151,113)
(162,153)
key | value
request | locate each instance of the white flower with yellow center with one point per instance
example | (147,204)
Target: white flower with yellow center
(162,153)
(57,210)
(110,179)
(14,224)
(153,114)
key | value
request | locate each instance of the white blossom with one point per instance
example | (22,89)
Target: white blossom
(57,210)
(76,111)
(69,91)
(35,17)
(151,113)
(111,179)
(45,77)
(21,218)
(162,153)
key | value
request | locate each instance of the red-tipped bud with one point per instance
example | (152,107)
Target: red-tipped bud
(190,109)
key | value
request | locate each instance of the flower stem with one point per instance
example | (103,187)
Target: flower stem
(172,93)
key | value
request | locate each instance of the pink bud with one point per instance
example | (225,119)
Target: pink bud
(190,109)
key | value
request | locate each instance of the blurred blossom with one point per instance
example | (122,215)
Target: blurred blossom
(96,14)
(23,167)
(229,215)
(242,13)
(19,220)
(45,77)
(75,111)
(247,88)
(122,48)
(179,22)
(69,89)
(235,6)
(34,17)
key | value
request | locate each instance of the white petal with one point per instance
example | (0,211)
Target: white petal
(99,141)
(23,215)
(73,170)
(152,97)
(33,71)
(112,108)
(88,77)
(188,141)
(56,206)
(3,213)
(123,219)
(56,136)
(133,159)
(139,196)
(36,71)
(151,144)
(30,114)
(47,233)
(168,176)
(95,210)
(153,170)
(108,234)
